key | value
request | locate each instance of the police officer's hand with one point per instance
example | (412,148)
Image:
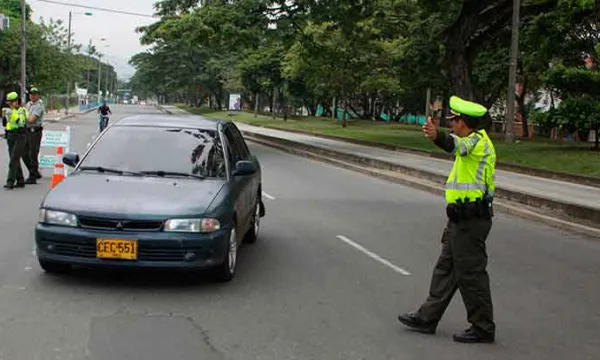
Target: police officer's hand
(429,129)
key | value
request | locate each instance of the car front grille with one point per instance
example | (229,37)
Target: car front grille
(145,252)
(96,223)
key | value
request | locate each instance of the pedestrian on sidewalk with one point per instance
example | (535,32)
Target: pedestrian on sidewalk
(16,139)
(462,263)
(35,121)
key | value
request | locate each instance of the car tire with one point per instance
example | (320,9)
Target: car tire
(253,231)
(226,271)
(52,267)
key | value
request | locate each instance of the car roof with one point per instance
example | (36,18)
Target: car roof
(164,120)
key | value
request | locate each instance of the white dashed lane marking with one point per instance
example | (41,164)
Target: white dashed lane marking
(268,196)
(373,256)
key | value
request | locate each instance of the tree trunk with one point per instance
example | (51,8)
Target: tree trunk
(522,109)
(333,108)
(256,103)
(460,71)
(344,121)
(597,136)
(219,102)
(273,103)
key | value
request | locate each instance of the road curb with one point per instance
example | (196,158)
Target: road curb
(581,219)
(160,108)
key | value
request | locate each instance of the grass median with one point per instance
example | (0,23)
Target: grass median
(572,158)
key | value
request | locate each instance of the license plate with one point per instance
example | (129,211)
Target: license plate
(116,249)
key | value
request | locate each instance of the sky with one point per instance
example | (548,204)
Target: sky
(118,29)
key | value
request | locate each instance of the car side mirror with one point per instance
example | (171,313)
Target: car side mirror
(71,159)
(243,168)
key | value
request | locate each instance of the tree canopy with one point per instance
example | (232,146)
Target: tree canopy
(372,58)
(50,62)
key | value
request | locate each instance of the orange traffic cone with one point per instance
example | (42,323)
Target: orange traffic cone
(59,168)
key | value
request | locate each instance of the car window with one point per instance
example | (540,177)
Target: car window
(234,152)
(192,151)
(241,144)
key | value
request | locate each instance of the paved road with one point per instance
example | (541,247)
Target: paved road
(303,291)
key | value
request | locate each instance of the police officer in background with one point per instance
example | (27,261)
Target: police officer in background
(35,121)
(16,138)
(463,260)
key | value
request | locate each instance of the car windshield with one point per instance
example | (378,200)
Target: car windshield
(159,151)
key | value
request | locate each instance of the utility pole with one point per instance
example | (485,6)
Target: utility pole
(428,104)
(23,48)
(67,98)
(99,77)
(512,75)
(106,85)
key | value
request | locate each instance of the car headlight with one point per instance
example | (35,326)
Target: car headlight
(192,225)
(57,218)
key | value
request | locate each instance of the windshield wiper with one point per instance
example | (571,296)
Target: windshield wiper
(171,173)
(109,170)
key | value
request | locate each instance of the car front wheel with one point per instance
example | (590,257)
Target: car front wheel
(226,271)
(252,234)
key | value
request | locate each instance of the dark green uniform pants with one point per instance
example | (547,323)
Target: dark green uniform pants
(32,150)
(16,148)
(462,265)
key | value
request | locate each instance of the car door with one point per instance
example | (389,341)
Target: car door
(254,180)
(238,183)
(248,180)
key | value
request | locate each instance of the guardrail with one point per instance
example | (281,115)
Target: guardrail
(94,104)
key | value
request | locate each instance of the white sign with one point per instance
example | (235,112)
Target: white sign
(235,102)
(4,22)
(47,161)
(53,139)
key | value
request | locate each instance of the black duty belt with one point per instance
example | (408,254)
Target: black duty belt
(462,211)
(35,128)
(16,131)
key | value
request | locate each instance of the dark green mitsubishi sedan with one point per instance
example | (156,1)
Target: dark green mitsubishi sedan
(154,191)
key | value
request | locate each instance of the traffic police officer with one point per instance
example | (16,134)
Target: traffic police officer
(35,121)
(16,138)
(462,263)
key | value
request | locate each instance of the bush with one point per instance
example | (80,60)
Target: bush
(572,115)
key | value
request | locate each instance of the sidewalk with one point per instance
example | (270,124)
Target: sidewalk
(572,199)
(58,115)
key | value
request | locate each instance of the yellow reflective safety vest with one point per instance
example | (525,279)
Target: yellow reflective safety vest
(17,119)
(473,174)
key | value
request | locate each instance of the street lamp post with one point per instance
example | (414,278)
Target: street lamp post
(100,72)
(23,48)
(99,77)
(512,75)
(68,97)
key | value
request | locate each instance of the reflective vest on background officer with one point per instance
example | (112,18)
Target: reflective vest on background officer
(462,264)
(16,139)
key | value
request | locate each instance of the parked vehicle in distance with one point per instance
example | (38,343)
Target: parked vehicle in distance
(155,191)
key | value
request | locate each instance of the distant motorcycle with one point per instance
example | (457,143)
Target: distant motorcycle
(103,122)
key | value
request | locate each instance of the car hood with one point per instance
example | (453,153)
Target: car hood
(108,195)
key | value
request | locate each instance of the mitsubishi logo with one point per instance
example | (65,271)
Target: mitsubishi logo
(119,226)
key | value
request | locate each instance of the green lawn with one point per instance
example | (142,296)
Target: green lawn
(541,154)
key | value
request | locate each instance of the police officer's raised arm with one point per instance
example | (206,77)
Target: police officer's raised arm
(448,143)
